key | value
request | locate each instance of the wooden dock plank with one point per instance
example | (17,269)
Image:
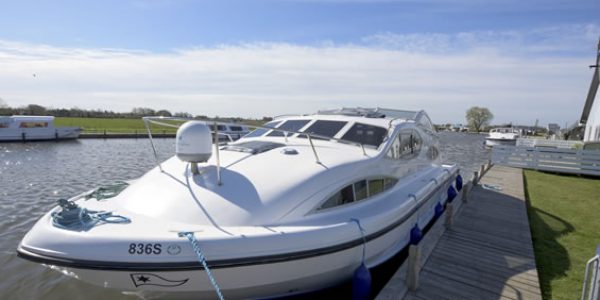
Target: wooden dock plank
(487,253)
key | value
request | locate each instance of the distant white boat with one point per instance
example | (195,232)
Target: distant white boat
(34,128)
(230,132)
(502,136)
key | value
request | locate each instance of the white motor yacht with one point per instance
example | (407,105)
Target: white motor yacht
(502,136)
(34,128)
(297,205)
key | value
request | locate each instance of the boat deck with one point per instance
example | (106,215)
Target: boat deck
(487,253)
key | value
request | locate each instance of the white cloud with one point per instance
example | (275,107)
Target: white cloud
(262,79)
(576,38)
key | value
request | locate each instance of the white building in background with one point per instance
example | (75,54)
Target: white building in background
(590,117)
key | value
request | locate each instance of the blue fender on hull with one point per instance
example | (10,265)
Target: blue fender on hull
(451,193)
(459,183)
(415,235)
(361,283)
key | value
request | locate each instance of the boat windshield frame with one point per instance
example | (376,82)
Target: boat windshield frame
(159,120)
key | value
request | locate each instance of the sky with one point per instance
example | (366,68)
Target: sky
(524,60)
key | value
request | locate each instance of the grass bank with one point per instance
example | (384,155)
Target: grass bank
(563,215)
(120,125)
(117,125)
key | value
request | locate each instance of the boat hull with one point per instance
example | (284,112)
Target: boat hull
(255,281)
(500,142)
(299,273)
(38,134)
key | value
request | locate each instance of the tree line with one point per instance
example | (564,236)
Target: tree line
(137,112)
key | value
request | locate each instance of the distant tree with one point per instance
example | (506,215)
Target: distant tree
(143,111)
(34,109)
(163,113)
(4,109)
(478,117)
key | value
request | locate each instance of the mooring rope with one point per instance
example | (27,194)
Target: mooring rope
(196,246)
(73,217)
(362,234)
(107,191)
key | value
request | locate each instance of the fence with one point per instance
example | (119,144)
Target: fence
(522,142)
(586,162)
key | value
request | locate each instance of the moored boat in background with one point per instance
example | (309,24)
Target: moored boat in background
(502,136)
(34,128)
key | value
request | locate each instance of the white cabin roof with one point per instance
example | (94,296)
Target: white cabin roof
(30,118)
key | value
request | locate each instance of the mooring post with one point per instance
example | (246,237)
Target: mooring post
(482,170)
(414,267)
(475,177)
(449,215)
(466,190)
(489,164)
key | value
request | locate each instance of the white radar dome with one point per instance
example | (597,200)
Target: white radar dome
(193,142)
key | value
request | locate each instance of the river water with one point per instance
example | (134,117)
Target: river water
(34,175)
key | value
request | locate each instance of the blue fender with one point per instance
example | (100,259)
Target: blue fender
(361,283)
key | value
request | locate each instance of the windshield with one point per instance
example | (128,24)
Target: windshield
(365,134)
(291,125)
(324,128)
(261,131)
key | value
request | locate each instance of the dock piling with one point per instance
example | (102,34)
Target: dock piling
(414,267)
(449,215)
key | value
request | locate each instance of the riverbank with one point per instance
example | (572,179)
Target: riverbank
(111,126)
(121,127)
(563,215)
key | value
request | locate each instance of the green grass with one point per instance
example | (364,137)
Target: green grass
(564,218)
(92,125)
(120,125)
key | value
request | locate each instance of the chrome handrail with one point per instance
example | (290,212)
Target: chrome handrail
(152,143)
(156,120)
(218,156)
(592,292)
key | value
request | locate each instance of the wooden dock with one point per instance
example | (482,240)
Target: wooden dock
(486,253)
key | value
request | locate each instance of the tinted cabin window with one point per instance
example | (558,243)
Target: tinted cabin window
(261,131)
(375,186)
(406,145)
(360,190)
(394,151)
(33,124)
(365,134)
(236,128)
(346,195)
(432,153)
(389,182)
(291,125)
(324,128)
